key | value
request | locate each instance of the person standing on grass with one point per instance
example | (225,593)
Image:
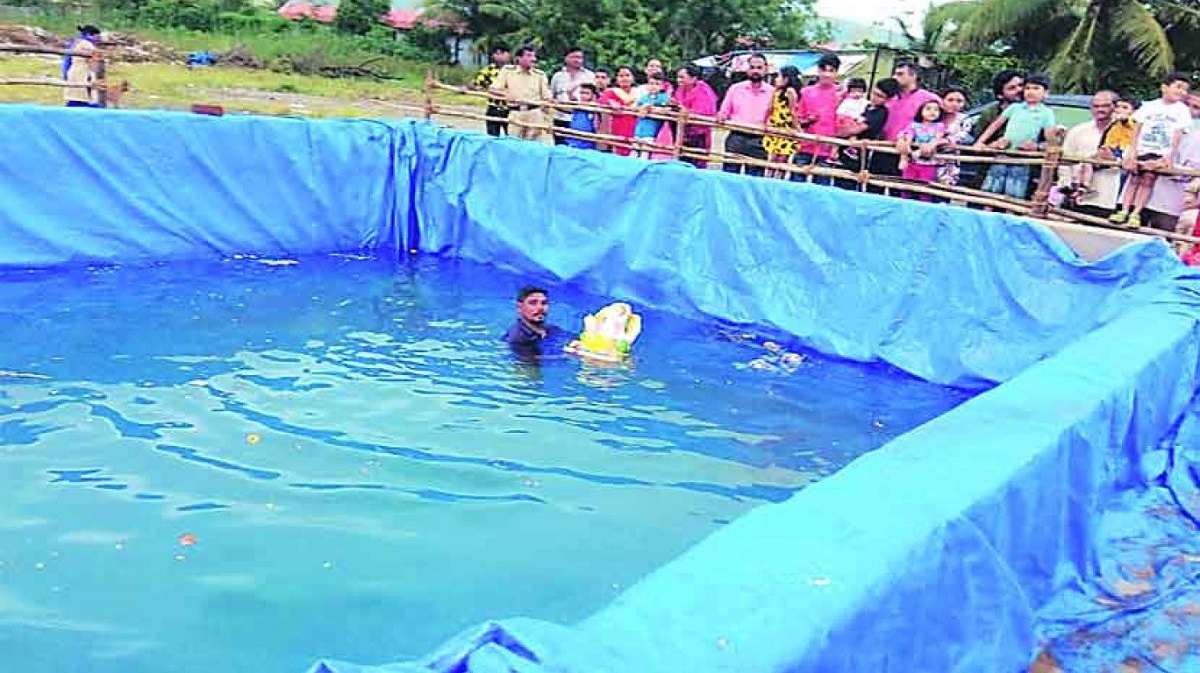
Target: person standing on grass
(89,34)
(747,103)
(1159,126)
(564,86)
(81,77)
(497,111)
(1022,124)
(902,110)
(816,112)
(523,87)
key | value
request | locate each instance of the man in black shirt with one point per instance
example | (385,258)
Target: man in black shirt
(530,330)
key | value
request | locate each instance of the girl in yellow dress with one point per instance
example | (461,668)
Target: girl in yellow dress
(782,116)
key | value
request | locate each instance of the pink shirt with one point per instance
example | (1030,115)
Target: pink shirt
(747,103)
(902,111)
(820,100)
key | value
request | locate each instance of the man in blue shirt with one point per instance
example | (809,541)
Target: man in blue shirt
(530,330)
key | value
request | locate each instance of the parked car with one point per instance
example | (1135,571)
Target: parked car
(1069,110)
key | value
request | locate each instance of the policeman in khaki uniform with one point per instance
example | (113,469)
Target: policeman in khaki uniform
(524,86)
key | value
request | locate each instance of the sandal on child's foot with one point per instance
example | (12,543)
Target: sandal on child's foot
(1118,217)
(1134,221)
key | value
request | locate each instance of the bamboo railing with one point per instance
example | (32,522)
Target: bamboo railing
(1038,206)
(108,93)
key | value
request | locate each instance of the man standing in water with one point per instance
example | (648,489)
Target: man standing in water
(530,330)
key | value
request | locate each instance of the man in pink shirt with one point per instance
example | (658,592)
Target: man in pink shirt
(817,112)
(902,110)
(747,103)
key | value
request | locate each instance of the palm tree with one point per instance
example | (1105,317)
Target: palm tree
(1082,43)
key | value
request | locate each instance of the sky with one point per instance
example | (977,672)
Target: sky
(867,11)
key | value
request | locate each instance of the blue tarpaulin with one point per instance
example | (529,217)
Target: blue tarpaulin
(949,549)
(127,186)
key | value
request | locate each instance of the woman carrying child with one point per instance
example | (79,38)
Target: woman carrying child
(954,101)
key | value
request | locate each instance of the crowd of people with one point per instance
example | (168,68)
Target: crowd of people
(926,128)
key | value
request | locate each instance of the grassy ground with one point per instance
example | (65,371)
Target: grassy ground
(270,90)
(171,86)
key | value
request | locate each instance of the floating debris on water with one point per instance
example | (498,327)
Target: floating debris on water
(6,374)
(789,359)
(253,438)
(187,540)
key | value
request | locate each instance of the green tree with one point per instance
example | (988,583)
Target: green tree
(358,17)
(1083,44)
(631,31)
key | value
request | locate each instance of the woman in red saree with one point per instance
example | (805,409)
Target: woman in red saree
(698,98)
(623,96)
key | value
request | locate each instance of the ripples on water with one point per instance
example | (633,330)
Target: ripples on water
(363,468)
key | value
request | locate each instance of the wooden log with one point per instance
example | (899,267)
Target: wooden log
(1049,174)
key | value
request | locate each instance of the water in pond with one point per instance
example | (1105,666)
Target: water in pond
(242,466)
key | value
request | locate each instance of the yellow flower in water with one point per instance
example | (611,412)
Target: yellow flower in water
(253,438)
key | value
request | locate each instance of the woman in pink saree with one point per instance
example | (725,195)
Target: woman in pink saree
(697,97)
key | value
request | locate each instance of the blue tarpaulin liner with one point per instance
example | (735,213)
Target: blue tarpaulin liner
(134,186)
(949,549)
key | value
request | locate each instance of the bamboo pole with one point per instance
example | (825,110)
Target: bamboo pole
(33,81)
(428,88)
(32,49)
(949,192)
(680,131)
(963,154)
(1049,174)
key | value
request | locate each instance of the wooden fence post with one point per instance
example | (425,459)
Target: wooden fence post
(429,94)
(101,79)
(1041,198)
(680,131)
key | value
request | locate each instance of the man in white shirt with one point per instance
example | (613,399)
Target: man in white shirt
(564,86)
(1083,141)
